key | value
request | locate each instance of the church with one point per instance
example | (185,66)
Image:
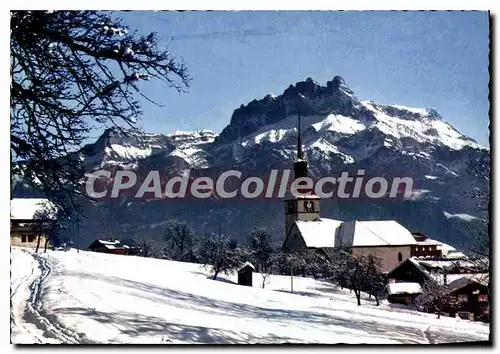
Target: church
(388,240)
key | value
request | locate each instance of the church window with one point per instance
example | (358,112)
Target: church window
(400,257)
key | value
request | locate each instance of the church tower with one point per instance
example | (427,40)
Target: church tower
(301,206)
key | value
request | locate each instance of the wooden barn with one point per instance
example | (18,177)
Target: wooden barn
(403,293)
(124,247)
(472,295)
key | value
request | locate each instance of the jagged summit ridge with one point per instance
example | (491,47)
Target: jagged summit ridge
(321,103)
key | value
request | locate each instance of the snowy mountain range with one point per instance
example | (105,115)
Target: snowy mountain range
(339,133)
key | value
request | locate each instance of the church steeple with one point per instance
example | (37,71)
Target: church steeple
(300,164)
(299,142)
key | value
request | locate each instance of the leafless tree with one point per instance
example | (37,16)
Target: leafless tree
(149,248)
(45,224)
(436,297)
(179,238)
(220,254)
(356,272)
(259,243)
(72,72)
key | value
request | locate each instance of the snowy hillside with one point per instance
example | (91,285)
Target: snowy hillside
(98,298)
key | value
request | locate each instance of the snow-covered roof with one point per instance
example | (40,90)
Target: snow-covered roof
(117,244)
(446,247)
(320,233)
(246,264)
(329,233)
(111,245)
(466,279)
(374,233)
(404,288)
(429,242)
(26,208)
(108,242)
(454,255)
(440,264)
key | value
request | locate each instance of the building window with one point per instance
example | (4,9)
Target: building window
(462,298)
(482,298)
(31,238)
(400,257)
(24,238)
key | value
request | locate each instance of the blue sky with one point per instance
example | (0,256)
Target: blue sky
(417,59)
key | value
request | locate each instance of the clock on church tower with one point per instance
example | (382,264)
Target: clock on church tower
(301,207)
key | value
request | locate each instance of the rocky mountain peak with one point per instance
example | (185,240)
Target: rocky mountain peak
(335,97)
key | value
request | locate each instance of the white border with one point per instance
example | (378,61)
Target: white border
(200,5)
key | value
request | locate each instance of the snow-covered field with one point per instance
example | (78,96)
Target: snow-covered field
(97,298)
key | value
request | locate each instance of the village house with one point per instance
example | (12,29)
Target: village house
(420,270)
(433,249)
(425,247)
(27,216)
(472,296)
(464,280)
(112,246)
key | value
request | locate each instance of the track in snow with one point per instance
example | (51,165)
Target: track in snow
(49,330)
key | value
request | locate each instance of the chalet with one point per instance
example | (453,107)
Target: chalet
(464,279)
(420,270)
(467,297)
(124,247)
(433,249)
(425,247)
(472,295)
(444,271)
(27,216)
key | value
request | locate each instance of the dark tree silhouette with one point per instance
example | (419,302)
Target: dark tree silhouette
(45,223)
(72,72)
(259,242)
(179,240)
(436,297)
(374,280)
(220,254)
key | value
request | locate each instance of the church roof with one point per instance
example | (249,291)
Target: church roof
(329,233)
(375,233)
(320,233)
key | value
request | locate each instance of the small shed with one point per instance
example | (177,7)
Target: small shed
(403,293)
(245,274)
